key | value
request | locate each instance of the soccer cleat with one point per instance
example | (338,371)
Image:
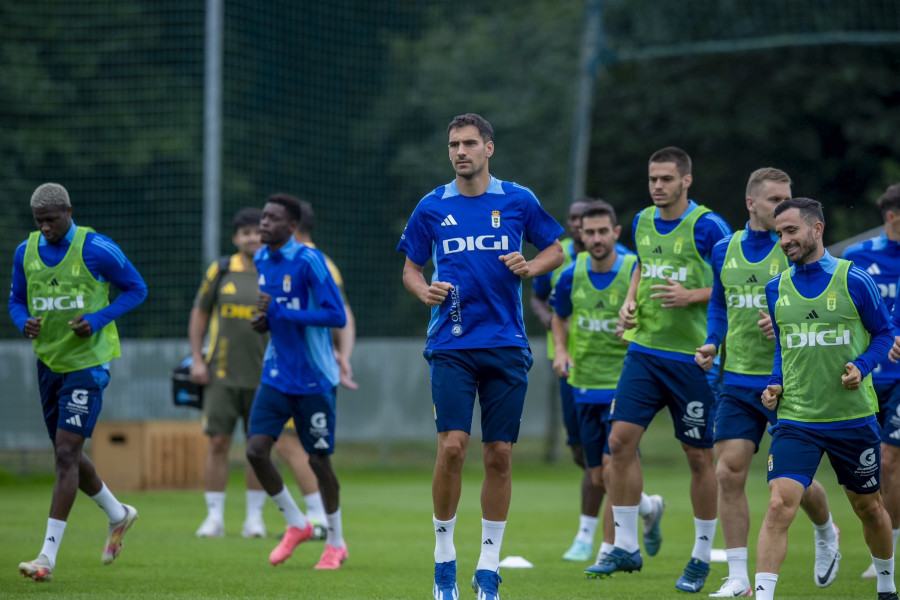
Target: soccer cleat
(293,537)
(211,528)
(38,569)
(827,558)
(117,533)
(579,552)
(694,576)
(869,573)
(887,596)
(332,558)
(485,584)
(616,560)
(733,588)
(320,532)
(254,528)
(652,532)
(445,581)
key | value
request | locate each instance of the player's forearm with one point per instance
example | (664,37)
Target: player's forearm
(197,325)
(541,309)
(560,332)
(414,281)
(345,338)
(546,260)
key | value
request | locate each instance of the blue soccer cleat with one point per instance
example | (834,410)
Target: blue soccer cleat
(445,581)
(652,532)
(616,560)
(485,584)
(694,576)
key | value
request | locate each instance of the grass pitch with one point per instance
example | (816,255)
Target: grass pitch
(387,524)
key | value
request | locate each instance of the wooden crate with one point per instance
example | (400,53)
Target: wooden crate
(150,455)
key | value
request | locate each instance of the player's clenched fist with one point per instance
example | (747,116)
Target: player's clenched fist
(771,395)
(437,292)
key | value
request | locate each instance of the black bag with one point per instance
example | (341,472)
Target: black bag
(184,391)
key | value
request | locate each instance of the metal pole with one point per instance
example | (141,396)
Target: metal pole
(592,40)
(212,131)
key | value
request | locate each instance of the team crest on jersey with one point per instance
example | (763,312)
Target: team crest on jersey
(831,301)
(771,464)
(495,219)
(262,280)
(678,244)
(614,297)
(775,267)
(286,284)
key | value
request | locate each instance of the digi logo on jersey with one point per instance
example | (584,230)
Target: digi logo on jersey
(597,325)
(888,290)
(747,296)
(289,303)
(471,242)
(664,271)
(805,335)
(58,303)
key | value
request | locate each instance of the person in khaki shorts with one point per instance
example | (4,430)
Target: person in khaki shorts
(230,369)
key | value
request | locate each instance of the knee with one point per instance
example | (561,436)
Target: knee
(578,456)
(219,444)
(498,458)
(869,509)
(779,512)
(452,452)
(729,477)
(258,448)
(621,445)
(598,480)
(889,461)
(699,459)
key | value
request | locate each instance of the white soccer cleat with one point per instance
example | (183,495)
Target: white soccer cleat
(211,528)
(733,588)
(254,528)
(827,558)
(38,569)
(870,573)
(117,533)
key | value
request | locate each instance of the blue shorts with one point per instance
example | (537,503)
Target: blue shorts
(593,423)
(855,455)
(570,418)
(740,415)
(72,401)
(313,415)
(500,378)
(649,383)
(889,412)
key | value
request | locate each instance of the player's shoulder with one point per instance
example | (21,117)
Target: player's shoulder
(860,248)
(714,219)
(513,188)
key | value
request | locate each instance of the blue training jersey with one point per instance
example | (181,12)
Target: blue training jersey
(305,304)
(464,237)
(880,258)
(811,280)
(105,261)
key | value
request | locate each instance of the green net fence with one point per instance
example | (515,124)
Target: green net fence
(345,104)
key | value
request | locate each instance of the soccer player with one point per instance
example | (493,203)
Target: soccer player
(742,264)
(59,299)
(880,257)
(589,354)
(831,328)
(473,228)
(225,304)
(591,496)
(666,309)
(298,303)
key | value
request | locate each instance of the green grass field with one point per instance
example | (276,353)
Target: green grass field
(387,523)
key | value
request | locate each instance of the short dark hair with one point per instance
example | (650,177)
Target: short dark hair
(484,128)
(246,217)
(600,208)
(307,218)
(810,210)
(890,200)
(675,155)
(290,203)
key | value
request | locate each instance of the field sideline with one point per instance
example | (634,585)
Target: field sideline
(387,523)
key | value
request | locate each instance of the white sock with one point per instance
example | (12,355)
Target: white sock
(335,529)
(765,586)
(626,520)
(703,541)
(826,532)
(646,506)
(114,510)
(289,509)
(55,531)
(256,499)
(884,569)
(587,526)
(737,563)
(444,550)
(605,548)
(491,539)
(315,508)
(215,505)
